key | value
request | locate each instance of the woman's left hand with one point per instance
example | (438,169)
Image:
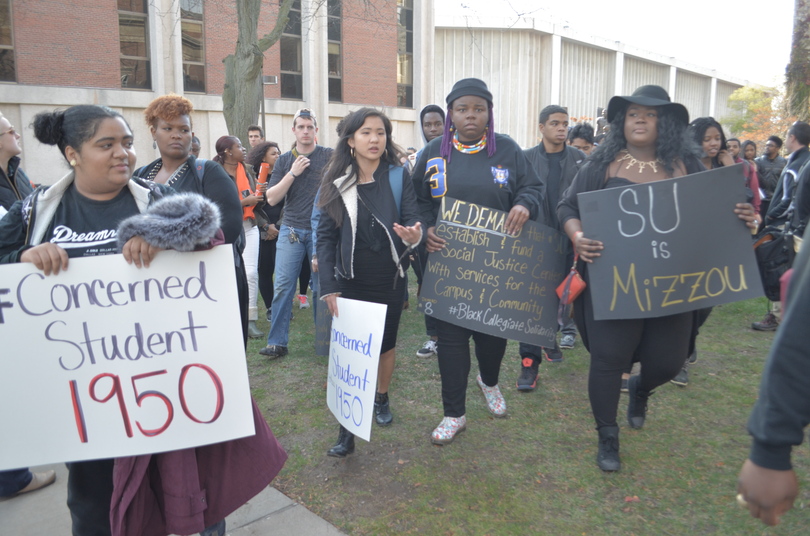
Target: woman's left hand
(746,212)
(411,235)
(516,218)
(725,158)
(251,200)
(139,251)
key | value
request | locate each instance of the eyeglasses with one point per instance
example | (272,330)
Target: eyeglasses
(10,131)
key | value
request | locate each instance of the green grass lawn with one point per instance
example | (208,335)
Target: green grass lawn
(534,472)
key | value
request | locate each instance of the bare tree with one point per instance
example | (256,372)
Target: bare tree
(242,93)
(798,70)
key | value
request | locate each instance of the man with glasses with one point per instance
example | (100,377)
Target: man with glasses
(295,180)
(770,168)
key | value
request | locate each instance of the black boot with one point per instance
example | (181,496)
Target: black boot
(382,411)
(637,403)
(344,445)
(608,456)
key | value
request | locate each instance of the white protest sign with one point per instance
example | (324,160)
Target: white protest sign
(107,360)
(354,354)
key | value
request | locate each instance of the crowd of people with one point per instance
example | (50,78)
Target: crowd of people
(349,221)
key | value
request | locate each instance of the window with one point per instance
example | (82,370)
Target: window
(334,10)
(405,53)
(8,69)
(191,21)
(133,30)
(292,82)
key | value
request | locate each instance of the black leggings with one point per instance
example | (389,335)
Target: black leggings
(660,344)
(454,363)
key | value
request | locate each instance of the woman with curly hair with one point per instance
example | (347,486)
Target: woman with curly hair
(169,120)
(647,142)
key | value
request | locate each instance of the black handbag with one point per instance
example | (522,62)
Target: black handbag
(775,252)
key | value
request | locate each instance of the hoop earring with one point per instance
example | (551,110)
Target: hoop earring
(351,152)
(154,144)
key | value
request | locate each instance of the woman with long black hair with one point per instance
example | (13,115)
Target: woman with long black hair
(364,230)
(647,142)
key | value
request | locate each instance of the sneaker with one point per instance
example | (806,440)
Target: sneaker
(553,356)
(527,380)
(274,351)
(429,349)
(303,303)
(769,323)
(692,357)
(447,430)
(495,401)
(567,341)
(682,378)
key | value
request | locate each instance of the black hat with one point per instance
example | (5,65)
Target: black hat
(469,86)
(647,96)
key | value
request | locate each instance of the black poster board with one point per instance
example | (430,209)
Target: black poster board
(492,282)
(670,246)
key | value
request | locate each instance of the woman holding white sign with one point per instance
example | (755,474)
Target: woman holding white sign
(647,142)
(369,221)
(99,209)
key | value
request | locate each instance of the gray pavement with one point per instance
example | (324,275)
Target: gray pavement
(44,513)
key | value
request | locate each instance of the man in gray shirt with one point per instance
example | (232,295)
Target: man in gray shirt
(296,178)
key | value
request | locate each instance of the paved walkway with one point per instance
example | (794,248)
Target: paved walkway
(44,513)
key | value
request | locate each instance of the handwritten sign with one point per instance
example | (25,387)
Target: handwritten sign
(107,360)
(354,354)
(670,246)
(491,282)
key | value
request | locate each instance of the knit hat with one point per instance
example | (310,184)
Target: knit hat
(653,96)
(469,86)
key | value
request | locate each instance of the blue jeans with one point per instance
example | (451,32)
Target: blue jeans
(289,256)
(13,481)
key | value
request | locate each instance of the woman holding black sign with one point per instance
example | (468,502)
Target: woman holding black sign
(466,164)
(647,142)
(369,220)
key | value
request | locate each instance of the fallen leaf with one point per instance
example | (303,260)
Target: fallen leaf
(634,498)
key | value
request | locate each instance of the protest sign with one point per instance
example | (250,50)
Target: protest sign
(107,360)
(670,246)
(354,354)
(492,282)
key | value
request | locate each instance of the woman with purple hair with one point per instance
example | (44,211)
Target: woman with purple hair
(472,163)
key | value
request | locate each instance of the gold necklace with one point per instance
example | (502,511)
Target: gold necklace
(632,161)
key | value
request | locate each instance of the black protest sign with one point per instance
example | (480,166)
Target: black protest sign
(492,282)
(670,246)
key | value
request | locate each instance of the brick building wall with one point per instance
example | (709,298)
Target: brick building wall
(72,44)
(370,52)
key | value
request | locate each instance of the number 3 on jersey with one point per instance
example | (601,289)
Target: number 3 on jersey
(435,171)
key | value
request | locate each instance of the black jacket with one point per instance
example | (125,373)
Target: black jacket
(335,244)
(769,172)
(572,160)
(778,210)
(16,188)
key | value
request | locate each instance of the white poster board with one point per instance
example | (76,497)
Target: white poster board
(354,354)
(108,360)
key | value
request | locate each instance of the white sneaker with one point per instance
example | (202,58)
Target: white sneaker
(303,303)
(495,401)
(447,430)
(429,349)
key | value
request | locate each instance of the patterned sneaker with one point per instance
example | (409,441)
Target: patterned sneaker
(446,432)
(429,349)
(495,401)
(567,341)
(303,303)
(553,355)
(527,380)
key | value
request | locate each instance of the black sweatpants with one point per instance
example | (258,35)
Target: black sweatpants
(454,363)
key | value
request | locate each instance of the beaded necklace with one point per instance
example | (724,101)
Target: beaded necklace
(469,149)
(174,176)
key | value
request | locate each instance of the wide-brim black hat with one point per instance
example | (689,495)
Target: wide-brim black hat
(653,96)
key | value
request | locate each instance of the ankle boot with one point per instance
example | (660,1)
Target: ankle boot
(253,330)
(344,445)
(608,456)
(636,403)
(382,410)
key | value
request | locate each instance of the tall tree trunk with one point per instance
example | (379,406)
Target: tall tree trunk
(242,93)
(798,71)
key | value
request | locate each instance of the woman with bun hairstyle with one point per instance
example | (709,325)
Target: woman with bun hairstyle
(99,198)
(231,155)
(368,221)
(169,120)
(647,142)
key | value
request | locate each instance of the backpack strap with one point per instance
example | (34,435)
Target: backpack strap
(201,168)
(395,179)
